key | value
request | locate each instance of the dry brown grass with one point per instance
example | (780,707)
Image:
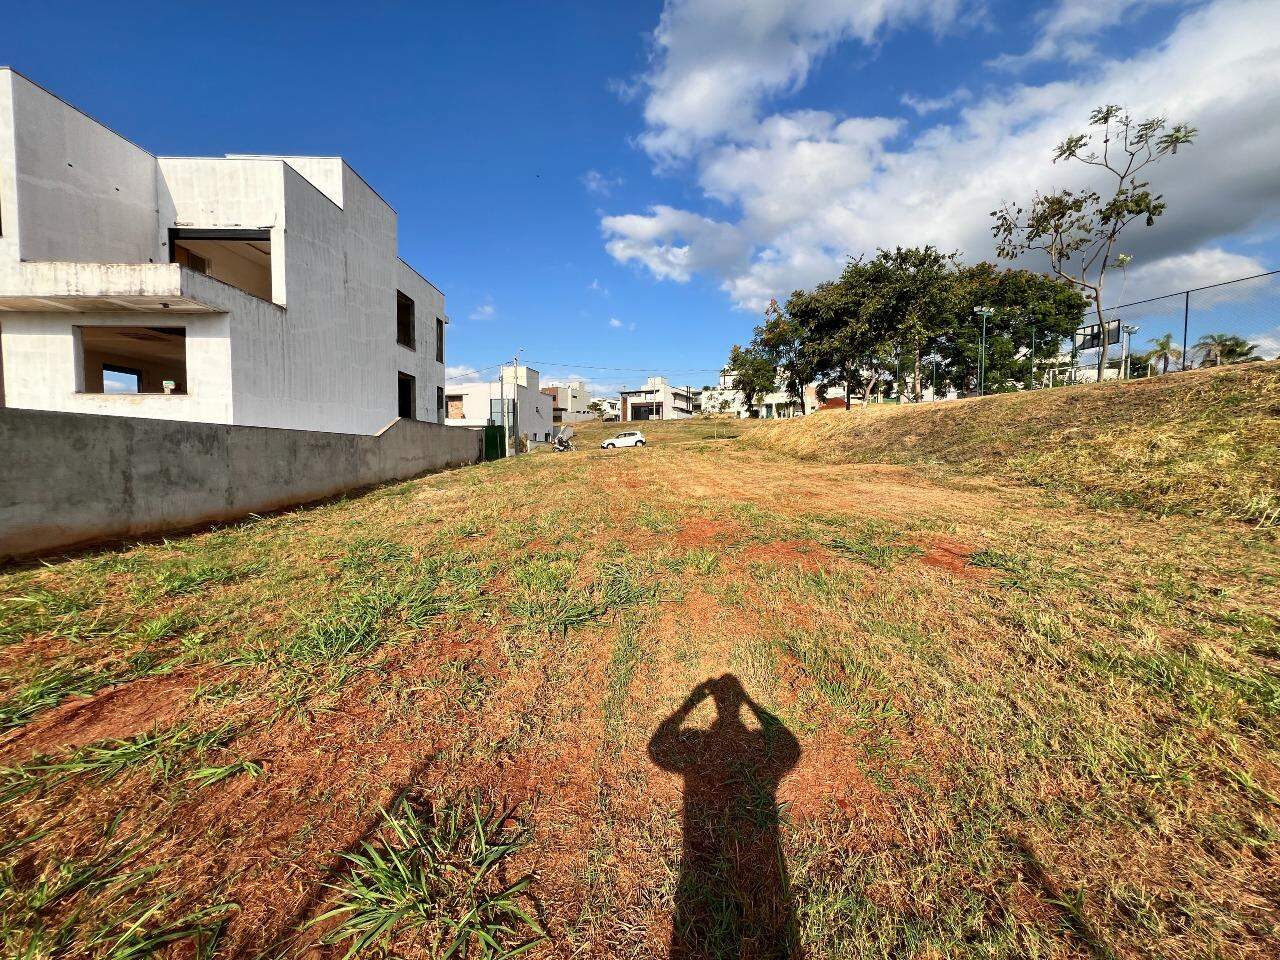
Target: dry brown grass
(1025,727)
(1203,442)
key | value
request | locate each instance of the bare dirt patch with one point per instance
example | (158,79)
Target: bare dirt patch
(114,713)
(951,555)
(801,554)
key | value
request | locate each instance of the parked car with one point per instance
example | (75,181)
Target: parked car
(628,438)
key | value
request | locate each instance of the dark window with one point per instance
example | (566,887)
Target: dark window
(440,404)
(192,261)
(439,340)
(408,398)
(405,333)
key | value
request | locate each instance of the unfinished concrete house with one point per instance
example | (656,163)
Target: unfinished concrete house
(253,290)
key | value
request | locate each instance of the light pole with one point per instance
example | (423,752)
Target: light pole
(1033,355)
(984,312)
(1129,330)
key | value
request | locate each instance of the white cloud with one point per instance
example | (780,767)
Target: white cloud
(714,61)
(615,322)
(924,106)
(1186,271)
(595,286)
(1066,30)
(674,244)
(597,182)
(810,188)
(484,311)
(463,373)
(595,388)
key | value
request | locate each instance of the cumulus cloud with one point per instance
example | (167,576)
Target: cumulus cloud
(485,311)
(809,188)
(1187,271)
(714,61)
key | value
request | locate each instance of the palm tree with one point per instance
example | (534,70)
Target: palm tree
(1164,352)
(1220,348)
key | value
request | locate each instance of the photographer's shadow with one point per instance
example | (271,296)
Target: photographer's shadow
(733,898)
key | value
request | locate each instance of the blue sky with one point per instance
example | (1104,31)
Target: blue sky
(601,186)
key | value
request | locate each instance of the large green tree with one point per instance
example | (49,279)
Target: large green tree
(782,338)
(753,375)
(910,297)
(1032,315)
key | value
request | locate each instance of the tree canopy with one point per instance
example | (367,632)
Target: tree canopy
(904,317)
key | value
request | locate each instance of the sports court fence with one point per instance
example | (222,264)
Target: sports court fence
(1230,322)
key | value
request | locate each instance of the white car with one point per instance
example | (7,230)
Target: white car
(628,438)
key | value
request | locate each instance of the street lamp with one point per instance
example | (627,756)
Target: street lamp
(984,312)
(1129,330)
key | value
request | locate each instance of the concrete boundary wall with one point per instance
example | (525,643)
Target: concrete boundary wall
(74,478)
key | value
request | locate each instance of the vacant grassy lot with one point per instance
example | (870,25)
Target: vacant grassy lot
(966,719)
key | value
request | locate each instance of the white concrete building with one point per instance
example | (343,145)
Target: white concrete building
(570,402)
(726,400)
(514,398)
(248,290)
(657,400)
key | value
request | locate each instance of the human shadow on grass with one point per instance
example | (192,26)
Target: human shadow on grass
(733,898)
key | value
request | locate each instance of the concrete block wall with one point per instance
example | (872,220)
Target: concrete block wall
(72,478)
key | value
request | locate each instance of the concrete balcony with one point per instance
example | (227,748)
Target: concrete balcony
(61,287)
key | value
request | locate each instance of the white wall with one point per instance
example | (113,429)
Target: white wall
(534,407)
(421,362)
(101,207)
(42,367)
(322,355)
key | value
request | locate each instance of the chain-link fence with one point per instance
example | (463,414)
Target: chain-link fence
(1231,322)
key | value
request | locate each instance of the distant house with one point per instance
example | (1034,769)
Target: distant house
(657,400)
(515,399)
(778,403)
(256,290)
(571,402)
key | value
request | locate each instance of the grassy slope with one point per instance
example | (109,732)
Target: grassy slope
(1204,442)
(1025,728)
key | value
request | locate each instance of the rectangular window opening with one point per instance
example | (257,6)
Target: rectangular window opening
(454,404)
(439,404)
(407,401)
(239,258)
(439,340)
(134,359)
(406,334)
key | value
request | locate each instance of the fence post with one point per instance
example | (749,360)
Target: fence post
(1186,322)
